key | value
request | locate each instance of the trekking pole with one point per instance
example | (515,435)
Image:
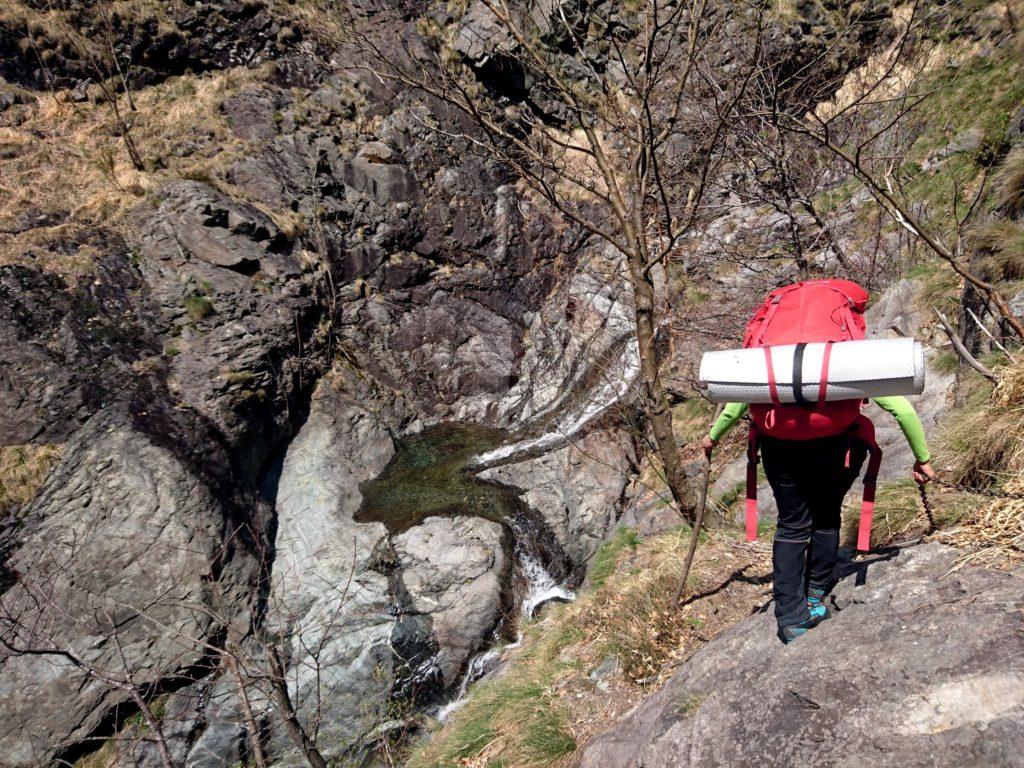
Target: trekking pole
(705,478)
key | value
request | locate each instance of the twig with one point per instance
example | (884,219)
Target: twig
(962,350)
(988,333)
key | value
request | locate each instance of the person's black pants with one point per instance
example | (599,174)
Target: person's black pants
(809,479)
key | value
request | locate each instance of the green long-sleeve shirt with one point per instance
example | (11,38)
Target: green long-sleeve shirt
(899,407)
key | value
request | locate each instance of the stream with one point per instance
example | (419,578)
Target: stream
(435,473)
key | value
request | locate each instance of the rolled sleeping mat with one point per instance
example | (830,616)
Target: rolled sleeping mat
(855,369)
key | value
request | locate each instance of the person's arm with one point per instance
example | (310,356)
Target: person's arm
(913,431)
(728,418)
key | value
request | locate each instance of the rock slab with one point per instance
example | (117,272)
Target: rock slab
(919,667)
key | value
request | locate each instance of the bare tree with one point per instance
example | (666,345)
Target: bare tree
(622,135)
(106,61)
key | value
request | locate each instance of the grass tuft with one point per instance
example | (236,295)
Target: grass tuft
(23,468)
(606,557)
(198,307)
(1009,185)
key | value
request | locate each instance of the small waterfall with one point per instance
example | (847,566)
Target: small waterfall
(541,586)
(478,666)
(614,385)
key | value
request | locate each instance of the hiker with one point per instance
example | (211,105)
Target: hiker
(811,472)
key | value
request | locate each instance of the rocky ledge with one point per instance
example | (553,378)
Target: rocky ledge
(921,665)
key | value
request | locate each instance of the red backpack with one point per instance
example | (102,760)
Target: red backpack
(806,312)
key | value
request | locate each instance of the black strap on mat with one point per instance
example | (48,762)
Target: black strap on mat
(798,375)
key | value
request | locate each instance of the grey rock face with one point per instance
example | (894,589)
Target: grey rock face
(207,225)
(377,171)
(121,565)
(329,595)
(234,306)
(65,344)
(454,571)
(896,313)
(919,667)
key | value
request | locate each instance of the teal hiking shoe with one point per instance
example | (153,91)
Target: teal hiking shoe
(815,595)
(818,613)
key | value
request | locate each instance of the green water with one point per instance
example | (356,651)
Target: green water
(430,475)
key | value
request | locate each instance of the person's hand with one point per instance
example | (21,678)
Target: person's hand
(923,472)
(708,445)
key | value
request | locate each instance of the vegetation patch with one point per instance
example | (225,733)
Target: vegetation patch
(23,468)
(986,449)
(607,556)
(198,307)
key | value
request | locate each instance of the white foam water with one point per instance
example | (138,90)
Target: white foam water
(541,586)
(614,385)
(478,666)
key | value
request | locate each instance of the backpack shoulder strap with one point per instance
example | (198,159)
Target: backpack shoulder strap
(864,430)
(751,501)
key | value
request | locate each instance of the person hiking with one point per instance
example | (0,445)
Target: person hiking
(810,475)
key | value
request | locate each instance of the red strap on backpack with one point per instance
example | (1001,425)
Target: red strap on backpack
(823,386)
(772,387)
(865,431)
(751,502)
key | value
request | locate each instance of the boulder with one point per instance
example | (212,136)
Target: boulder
(920,667)
(120,565)
(454,571)
(212,227)
(378,172)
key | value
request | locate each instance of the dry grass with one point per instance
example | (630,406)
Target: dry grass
(66,159)
(1008,184)
(23,468)
(994,437)
(1003,243)
(55,24)
(546,702)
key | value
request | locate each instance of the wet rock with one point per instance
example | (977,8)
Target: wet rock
(454,571)
(948,689)
(121,564)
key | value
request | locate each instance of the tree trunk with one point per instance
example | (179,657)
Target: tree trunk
(658,409)
(283,702)
(251,726)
